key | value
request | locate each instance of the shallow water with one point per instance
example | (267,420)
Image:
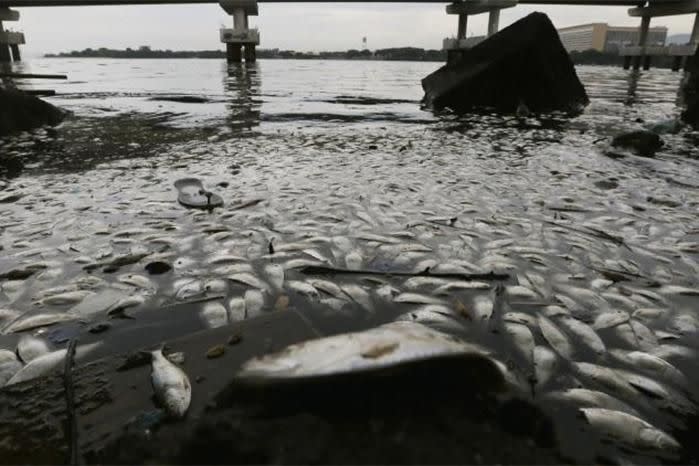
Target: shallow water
(352,173)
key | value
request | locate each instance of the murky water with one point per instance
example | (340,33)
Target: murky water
(334,164)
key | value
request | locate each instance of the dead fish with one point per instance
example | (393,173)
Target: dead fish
(216,286)
(679,290)
(387,292)
(7,355)
(328,288)
(254,302)
(606,378)
(544,364)
(523,340)
(557,339)
(652,364)
(636,335)
(231,269)
(448,288)
(585,398)
(609,319)
(139,281)
(354,260)
(419,282)
(483,307)
(171,385)
(249,280)
(584,333)
(8,315)
(97,303)
(236,309)
(520,318)
(439,316)
(521,292)
(359,295)
(30,347)
(39,366)
(36,321)
(415,298)
(630,430)
(8,369)
(214,314)
(219,259)
(275,275)
(382,346)
(665,396)
(189,289)
(302,288)
(70,297)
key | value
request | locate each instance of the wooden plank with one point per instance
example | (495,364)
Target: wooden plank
(32,76)
(666,9)
(39,92)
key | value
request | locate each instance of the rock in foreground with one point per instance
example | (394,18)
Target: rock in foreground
(21,112)
(524,63)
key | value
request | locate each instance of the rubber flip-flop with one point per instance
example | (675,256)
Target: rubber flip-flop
(192,194)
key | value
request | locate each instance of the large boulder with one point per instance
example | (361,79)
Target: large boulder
(691,93)
(523,66)
(21,112)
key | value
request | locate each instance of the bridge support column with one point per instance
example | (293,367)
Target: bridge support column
(9,40)
(493,22)
(241,35)
(642,42)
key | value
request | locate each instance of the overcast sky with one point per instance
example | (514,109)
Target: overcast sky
(301,26)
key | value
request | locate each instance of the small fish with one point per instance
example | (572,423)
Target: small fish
(36,321)
(605,378)
(70,297)
(189,289)
(544,364)
(254,302)
(483,307)
(303,288)
(236,309)
(171,385)
(30,347)
(609,319)
(139,281)
(415,298)
(275,275)
(523,340)
(249,280)
(558,341)
(585,398)
(39,366)
(630,430)
(214,314)
(584,332)
(359,295)
(8,369)
(354,260)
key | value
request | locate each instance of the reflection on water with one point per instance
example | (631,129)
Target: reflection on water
(242,84)
(343,169)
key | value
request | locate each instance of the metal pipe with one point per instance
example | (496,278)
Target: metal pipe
(463,22)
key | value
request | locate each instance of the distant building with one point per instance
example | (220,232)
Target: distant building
(605,38)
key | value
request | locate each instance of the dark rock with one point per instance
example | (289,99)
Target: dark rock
(158,268)
(691,93)
(641,142)
(524,64)
(22,112)
(11,167)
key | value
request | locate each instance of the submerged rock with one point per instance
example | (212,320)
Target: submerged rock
(524,64)
(22,112)
(641,142)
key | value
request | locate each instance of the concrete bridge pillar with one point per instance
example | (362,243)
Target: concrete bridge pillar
(241,35)
(493,22)
(642,43)
(9,41)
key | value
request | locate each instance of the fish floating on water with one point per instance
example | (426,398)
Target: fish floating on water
(383,346)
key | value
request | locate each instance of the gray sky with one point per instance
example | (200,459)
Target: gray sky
(302,26)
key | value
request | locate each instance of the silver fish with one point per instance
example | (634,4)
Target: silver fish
(30,347)
(70,297)
(39,366)
(382,346)
(544,364)
(631,430)
(652,364)
(36,321)
(214,314)
(591,399)
(584,332)
(254,302)
(558,341)
(415,298)
(236,309)
(275,275)
(171,385)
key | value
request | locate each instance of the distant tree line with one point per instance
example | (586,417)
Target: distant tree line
(402,53)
